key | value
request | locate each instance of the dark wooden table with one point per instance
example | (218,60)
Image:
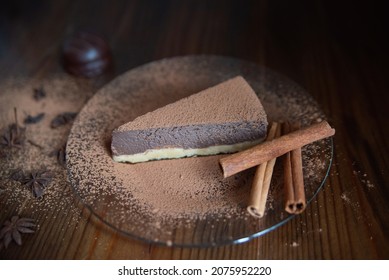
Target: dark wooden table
(338,53)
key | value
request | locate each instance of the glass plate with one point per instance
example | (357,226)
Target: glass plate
(169,202)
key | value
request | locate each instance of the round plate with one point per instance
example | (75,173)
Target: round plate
(184,202)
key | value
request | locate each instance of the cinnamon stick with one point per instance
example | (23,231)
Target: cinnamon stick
(271,149)
(262,179)
(295,202)
(288,185)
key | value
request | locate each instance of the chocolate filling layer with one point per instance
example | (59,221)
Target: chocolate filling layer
(186,137)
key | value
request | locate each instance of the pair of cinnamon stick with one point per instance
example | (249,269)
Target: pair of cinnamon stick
(295,202)
(264,156)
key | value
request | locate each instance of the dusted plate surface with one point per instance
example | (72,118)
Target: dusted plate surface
(184,202)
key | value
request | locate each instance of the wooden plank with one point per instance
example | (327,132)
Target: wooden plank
(340,59)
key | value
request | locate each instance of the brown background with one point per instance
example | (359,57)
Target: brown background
(338,52)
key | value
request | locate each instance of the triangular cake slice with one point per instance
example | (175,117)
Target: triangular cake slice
(224,118)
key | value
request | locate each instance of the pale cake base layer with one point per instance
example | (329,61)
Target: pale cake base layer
(172,153)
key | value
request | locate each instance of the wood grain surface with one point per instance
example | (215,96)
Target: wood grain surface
(339,53)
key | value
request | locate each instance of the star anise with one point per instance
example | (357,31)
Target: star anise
(37,181)
(63,119)
(34,119)
(13,228)
(13,136)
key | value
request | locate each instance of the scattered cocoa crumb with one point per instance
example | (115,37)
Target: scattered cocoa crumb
(39,93)
(369,184)
(34,119)
(63,119)
(363,178)
(17,175)
(13,228)
(354,205)
(345,197)
(66,95)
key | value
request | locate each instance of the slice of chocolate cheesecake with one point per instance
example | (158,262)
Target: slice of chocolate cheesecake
(224,118)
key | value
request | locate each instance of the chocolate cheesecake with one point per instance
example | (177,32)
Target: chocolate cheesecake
(224,118)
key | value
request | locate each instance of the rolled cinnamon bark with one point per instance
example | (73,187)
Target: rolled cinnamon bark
(288,177)
(262,179)
(271,149)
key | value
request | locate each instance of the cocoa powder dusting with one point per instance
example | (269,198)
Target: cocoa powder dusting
(195,109)
(183,201)
(163,200)
(61,94)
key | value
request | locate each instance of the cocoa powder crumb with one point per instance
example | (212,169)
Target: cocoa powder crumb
(64,94)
